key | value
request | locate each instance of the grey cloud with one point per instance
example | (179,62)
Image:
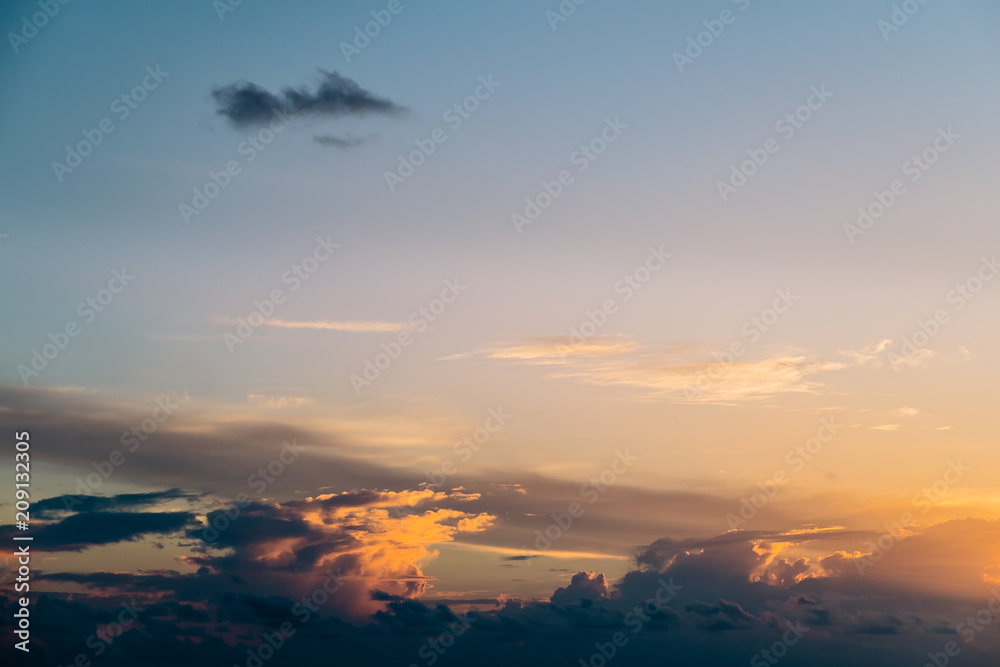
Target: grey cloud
(80,531)
(346,141)
(246,104)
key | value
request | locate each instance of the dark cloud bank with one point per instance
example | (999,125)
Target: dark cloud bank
(715,601)
(322,567)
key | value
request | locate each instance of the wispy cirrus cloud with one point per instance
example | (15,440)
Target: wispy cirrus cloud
(870,353)
(351,326)
(688,372)
(182,338)
(278,402)
(551,350)
(710,381)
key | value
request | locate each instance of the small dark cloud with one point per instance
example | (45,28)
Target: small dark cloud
(518,557)
(246,104)
(346,141)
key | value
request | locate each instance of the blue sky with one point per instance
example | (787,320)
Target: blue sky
(684,131)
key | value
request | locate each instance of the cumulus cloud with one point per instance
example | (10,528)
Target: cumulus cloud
(355,534)
(583,586)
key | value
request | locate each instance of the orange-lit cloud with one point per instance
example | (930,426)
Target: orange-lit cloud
(683,373)
(377,540)
(277,402)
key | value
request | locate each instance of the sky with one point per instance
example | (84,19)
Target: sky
(498,321)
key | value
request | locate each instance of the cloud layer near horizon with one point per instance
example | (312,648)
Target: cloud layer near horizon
(723,599)
(242,568)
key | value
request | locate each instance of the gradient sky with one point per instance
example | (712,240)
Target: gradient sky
(838,354)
